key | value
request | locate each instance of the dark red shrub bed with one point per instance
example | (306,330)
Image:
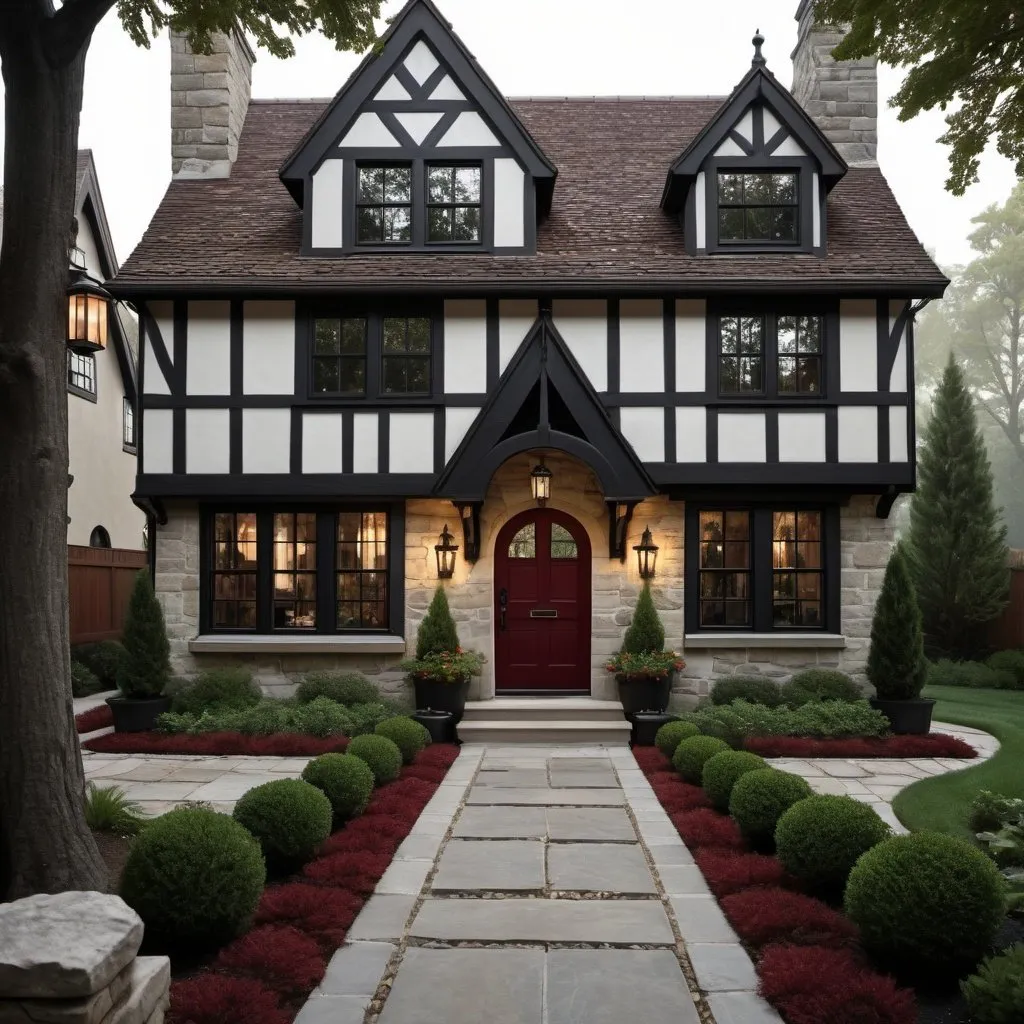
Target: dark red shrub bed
(811,985)
(325,914)
(280,956)
(361,841)
(729,871)
(382,825)
(426,772)
(650,758)
(408,787)
(356,872)
(439,755)
(214,744)
(935,744)
(762,916)
(219,999)
(676,796)
(705,827)
(100,717)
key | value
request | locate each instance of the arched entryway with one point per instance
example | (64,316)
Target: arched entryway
(542,568)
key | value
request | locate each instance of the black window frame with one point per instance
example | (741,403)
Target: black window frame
(384,205)
(326,567)
(428,205)
(405,355)
(341,357)
(91,394)
(770,206)
(762,568)
(129,437)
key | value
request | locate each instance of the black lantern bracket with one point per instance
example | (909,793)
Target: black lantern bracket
(469,516)
(620,513)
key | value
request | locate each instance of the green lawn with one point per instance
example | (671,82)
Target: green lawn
(943,802)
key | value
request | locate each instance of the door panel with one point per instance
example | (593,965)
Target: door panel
(542,603)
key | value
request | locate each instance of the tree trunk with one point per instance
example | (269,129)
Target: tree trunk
(45,845)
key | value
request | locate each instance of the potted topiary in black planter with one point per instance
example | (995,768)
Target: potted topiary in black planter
(441,670)
(643,668)
(146,664)
(896,665)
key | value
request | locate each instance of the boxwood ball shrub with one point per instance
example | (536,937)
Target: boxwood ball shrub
(194,877)
(819,839)
(220,689)
(410,737)
(759,798)
(289,818)
(342,687)
(346,781)
(691,755)
(820,684)
(750,688)
(995,995)
(926,902)
(721,772)
(381,754)
(671,734)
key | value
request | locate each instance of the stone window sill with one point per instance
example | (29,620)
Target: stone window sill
(274,644)
(739,641)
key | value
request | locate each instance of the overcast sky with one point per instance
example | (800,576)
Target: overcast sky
(529,48)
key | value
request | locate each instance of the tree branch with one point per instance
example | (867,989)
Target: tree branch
(70,28)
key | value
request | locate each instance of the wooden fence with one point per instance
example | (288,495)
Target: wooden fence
(99,585)
(1007,632)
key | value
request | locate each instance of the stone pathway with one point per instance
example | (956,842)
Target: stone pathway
(541,885)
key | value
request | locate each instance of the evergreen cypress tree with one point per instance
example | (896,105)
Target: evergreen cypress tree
(146,664)
(645,633)
(896,666)
(956,546)
(437,631)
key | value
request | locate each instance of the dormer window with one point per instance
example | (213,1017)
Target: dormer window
(453,203)
(384,205)
(758,207)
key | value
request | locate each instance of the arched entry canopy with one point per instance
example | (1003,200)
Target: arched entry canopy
(545,401)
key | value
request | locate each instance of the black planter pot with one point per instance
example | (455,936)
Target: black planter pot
(437,695)
(439,724)
(907,717)
(137,714)
(646,725)
(644,694)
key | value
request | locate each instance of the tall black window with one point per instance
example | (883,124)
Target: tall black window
(741,354)
(725,568)
(339,356)
(233,574)
(758,207)
(362,562)
(82,372)
(295,570)
(405,358)
(799,351)
(797,577)
(453,203)
(384,204)
(128,424)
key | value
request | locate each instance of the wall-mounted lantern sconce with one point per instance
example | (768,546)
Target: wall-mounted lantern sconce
(88,309)
(445,553)
(540,483)
(646,555)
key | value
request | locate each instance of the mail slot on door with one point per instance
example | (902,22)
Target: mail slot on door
(543,613)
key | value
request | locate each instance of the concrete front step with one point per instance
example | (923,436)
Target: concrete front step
(543,709)
(546,731)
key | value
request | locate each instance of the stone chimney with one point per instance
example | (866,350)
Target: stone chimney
(841,96)
(209,100)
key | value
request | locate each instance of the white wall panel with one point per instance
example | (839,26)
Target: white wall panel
(328,205)
(207,441)
(418,123)
(858,345)
(457,422)
(465,346)
(644,429)
(158,441)
(700,211)
(208,367)
(509,204)
(787,147)
(898,376)
(155,383)
(898,441)
(268,348)
(447,90)
(691,434)
(741,437)
(393,89)
(583,323)
(745,126)
(469,129)
(368,131)
(321,442)
(412,442)
(421,62)
(771,123)
(858,433)
(801,437)
(641,345)
(691,344)
(730,148)
(162,312)
(365,442)
(515,318)
(266,440)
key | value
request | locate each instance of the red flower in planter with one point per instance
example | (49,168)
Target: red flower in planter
(325,914)
(811,984)
(219,999)
(762,916)
(356,872)
(278,955)
(705,827)
(727,871)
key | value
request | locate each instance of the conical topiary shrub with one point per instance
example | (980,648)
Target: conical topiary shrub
(437,631)
(645,633)
(896,666)
(146,664)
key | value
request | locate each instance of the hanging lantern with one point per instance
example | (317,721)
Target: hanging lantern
(646,555)
(88,306)
(445,553)
(540,483)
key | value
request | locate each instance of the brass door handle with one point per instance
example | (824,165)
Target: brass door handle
(543,613)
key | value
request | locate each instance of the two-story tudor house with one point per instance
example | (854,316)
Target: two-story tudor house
(367,318)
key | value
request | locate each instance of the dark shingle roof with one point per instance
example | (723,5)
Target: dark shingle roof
(606,226)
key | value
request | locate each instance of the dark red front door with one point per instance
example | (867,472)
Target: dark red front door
(542,603)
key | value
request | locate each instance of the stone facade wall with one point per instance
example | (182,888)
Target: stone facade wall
(209,100)
(841,97)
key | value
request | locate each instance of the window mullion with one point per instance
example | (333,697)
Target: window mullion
(374,354)
(264,571)
(771,355)
(419,203)
(761,568)
(326,611)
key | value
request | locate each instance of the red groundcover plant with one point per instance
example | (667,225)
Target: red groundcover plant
(280,956)
(99,717)
(933,745)
(218,999)
(215,744)
(706,827)
(729,871)
(324,914)
(763,916)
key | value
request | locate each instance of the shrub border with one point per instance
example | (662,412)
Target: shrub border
(216,744)
(936,744)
